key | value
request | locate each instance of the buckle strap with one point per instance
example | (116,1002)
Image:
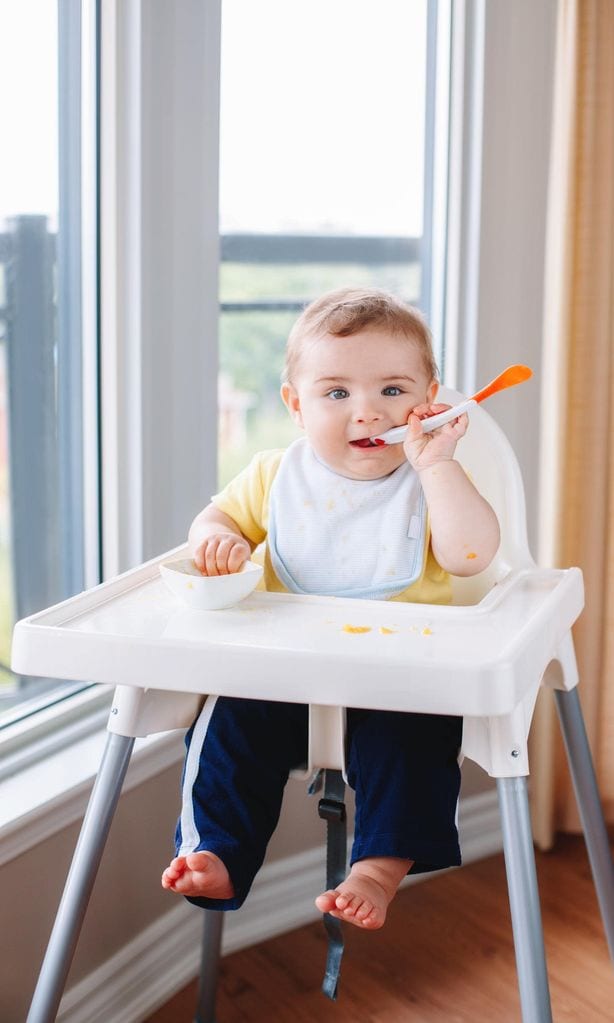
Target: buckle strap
(332,811)
(330,983)
(331,808)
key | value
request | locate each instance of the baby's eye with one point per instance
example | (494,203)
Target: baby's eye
(392,391)
(337,393)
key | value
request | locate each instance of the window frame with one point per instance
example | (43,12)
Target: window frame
(69,413)
(159,272)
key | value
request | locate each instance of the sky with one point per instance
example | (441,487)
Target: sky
(322,117)
(28,107)
(322,114)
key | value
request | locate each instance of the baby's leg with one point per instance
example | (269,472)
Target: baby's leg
(404,768)
(239,755)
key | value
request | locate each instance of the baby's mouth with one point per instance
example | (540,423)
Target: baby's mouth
(367,442)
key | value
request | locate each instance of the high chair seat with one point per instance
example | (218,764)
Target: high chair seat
(485,658)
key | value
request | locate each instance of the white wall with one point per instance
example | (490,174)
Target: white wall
(517,103)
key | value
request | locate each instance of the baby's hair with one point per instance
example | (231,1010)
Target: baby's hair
(347,311)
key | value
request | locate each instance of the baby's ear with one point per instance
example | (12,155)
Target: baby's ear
(431,393)
(291,400)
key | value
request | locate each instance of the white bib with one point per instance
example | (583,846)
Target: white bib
(341,537)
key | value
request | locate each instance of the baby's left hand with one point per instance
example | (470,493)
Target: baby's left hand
(424,450)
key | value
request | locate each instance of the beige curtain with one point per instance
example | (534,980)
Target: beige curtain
(577,468)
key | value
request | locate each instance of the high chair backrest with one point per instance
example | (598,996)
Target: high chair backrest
(488,457)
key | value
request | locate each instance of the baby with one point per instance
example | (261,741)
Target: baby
(338,516)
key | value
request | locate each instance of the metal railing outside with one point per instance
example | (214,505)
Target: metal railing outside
(286,250)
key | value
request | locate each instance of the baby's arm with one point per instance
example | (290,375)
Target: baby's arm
(464,528)
(216,543)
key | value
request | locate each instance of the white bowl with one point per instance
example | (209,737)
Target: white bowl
(209,592)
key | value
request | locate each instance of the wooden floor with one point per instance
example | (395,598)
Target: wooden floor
(444,956)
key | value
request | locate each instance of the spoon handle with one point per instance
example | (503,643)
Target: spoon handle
(398,433)
(433,422)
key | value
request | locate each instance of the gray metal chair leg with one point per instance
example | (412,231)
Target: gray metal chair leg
(524,900)
(210,961)
(589,805)
(81,877)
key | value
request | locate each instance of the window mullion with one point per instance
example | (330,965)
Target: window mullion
(69,463)
(160,252)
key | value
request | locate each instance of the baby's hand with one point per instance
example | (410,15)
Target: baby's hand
(221,554)
(426,449)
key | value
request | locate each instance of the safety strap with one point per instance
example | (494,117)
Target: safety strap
(332,809)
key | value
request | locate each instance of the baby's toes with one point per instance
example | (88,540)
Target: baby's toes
(198,861)
(373,919)
(327,902)
(174,870)
(364,911)
(352,905)
(170,880)
(183,885)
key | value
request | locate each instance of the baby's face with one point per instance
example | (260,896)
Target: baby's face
(347,389)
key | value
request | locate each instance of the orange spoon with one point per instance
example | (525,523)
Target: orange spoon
(509,378)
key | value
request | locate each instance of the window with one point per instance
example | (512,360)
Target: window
(326,170)
(48,406)
(329,136)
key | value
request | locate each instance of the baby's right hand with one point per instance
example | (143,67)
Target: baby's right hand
(221,554)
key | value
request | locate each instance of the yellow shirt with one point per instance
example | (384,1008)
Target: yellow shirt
(246,500)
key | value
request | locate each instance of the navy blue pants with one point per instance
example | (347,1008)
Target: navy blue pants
(403,767)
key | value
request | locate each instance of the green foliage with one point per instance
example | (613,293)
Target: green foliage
(272,428)
(245,282)
(252,350)
(252,343)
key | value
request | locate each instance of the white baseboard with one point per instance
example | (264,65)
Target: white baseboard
(166,956)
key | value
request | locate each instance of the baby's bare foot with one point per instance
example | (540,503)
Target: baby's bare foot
(199,874)
(363,898)
(363,903)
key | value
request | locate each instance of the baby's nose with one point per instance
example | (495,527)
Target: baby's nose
(367,413)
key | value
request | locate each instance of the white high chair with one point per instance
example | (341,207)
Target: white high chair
(484,658)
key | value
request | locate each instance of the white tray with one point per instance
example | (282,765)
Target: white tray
(478,660)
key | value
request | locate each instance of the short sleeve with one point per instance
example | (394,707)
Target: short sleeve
(246,498)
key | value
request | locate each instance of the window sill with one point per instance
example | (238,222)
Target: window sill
(48,792)
(34,737)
